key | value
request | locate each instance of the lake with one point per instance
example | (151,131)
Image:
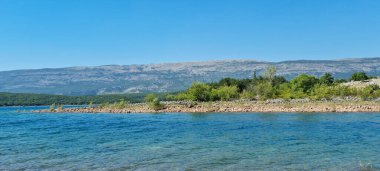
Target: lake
(188,141)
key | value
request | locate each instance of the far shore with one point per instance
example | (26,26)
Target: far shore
(234,106)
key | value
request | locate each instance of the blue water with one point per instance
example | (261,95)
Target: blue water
(235,141)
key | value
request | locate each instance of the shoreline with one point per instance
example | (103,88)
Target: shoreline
(233,106)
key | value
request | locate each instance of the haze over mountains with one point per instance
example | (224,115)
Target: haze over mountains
(166,77)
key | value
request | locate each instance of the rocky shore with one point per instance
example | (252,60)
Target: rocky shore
(236,106)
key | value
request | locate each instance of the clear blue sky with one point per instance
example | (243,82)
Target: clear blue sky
(59,33)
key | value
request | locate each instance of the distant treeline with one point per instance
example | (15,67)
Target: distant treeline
(23,99)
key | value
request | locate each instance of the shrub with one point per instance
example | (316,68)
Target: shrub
(171,97)
(264,90)
(91,104)
(303,82)
(359,76)
(278,80)
(155,104)
(52,107)
(326,79)
(225,93)
(199,92)
(184,96)
(270,73)
(60,107)
(120,105)
(105,105)
(369,92)
(150,97)
(322,91)
(247,95)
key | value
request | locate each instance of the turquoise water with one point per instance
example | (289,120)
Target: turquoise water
(238,141)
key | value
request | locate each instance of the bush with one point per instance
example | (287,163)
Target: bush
(264,90)
(322,91)
(199,92)
(120,105)
(304,83)
(278,80)
(156,104)
(225,93)
(184,96)
(150,97)
(359,76)
(370,92)
(345,91)
(52,107)
(248,95)
(326,79)
(170,97)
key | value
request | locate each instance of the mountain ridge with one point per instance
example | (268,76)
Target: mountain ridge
(165,77)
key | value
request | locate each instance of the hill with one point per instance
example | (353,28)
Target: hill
(166,77)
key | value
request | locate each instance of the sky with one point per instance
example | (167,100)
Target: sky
(62,33)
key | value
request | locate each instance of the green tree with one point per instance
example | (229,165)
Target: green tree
(277,80)
(199,92)
(359,76)
(270,73)
(286,91)
(326,79)
(264,90)
(304,82)
(170,97)
(322,91)
(225,93)
(369,92)
(228,82)
(184,96)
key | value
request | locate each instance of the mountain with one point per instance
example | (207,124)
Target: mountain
(116,79)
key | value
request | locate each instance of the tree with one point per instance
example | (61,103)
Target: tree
(255,74)
(322,91)
(304,82)
(170,97)
(359,76)
(225,93)
(228,81)
(326,79)
(263,90)
(286,91)
(270,73)
(199,92)
(277,80)
(369,92)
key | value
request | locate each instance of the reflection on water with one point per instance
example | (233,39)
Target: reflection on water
(196,141)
